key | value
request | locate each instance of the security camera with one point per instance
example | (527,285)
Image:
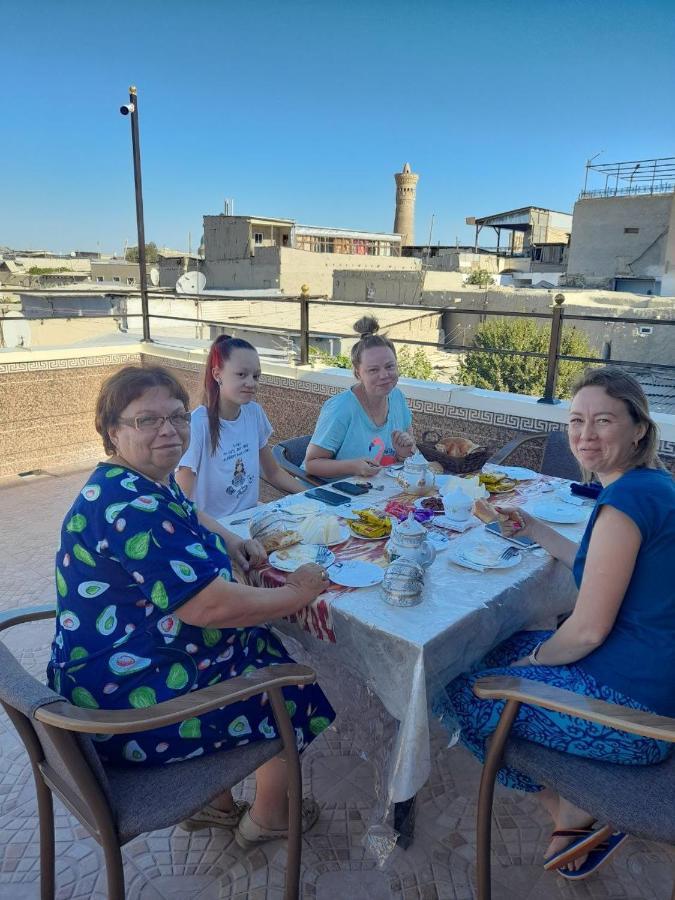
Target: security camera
(127,108)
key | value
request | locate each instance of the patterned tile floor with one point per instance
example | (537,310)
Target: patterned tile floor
(173,865)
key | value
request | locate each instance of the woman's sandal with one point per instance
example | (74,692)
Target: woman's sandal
(249,833)
(596,858)
(585,839)
(210,817)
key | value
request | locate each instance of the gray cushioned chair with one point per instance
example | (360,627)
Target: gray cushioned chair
(290,455)
(115,804)
(639,800)
(557,460)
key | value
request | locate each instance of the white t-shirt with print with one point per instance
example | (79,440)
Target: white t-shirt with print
(227,480)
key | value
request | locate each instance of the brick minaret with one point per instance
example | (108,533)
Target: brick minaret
(404,221)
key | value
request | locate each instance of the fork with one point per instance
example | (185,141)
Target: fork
(322,555)
(509,553)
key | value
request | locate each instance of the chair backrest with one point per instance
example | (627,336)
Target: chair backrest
(65,758)
(558,459)
(295,448)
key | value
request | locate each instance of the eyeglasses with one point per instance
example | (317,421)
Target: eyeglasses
(154,423)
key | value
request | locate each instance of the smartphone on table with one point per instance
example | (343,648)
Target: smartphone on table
(329,497)
(350,488)
(524,543)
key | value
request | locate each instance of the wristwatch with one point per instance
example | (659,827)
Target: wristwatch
(532,658)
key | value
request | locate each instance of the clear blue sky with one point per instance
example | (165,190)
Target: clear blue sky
(305,110)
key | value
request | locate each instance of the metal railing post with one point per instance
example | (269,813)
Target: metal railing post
(132,112)
(304,325)
(553,351)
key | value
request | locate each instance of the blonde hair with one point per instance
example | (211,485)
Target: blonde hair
(367,327)
(621,386)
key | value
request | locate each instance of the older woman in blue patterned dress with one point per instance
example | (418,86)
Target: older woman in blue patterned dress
(147,608)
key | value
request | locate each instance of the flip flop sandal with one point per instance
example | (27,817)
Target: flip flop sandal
(585,839)
(249,833)
(596,858)
(210,817)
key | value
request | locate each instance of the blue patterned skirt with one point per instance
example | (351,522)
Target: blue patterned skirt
(477,719)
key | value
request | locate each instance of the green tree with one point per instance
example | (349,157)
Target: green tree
(415,364)
(521,374)
(481,277)
(151,254)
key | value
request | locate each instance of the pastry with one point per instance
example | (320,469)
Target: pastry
(456,446)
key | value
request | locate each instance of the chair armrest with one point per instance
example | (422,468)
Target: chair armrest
(501,455)
(62,714)
(536,693)
(296,471)
(11,617)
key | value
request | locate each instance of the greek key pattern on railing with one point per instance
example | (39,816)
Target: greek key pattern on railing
(305,387)
(84,362)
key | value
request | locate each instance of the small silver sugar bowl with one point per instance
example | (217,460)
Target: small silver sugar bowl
(403,582)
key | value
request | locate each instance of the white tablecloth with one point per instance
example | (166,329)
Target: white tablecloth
(405,655)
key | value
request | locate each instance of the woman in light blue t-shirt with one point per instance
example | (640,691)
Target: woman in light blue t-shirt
(368,426)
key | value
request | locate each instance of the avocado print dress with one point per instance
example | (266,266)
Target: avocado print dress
(132,552)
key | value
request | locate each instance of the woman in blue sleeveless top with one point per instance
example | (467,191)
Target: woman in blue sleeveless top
(618,644)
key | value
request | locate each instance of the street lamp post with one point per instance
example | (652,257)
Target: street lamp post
(131,110)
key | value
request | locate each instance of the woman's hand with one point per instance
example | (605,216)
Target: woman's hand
(517,522)
(308,581)
(404,443)
(248,554)
(365,467)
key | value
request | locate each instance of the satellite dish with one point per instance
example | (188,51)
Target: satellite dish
(191,283)
(154,276)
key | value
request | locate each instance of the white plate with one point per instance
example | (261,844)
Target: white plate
(559,512)
(452,525)
(355,573)
(301,506)
(479,556)
(566,495)
(292,558)
(515,473)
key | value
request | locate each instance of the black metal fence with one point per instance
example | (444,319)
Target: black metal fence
(555,315)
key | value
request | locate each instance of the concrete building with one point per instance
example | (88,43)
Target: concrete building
(530,229)
(256,253)
(406,190)
(171,264)
(47,271)
(624,243)
(116,271)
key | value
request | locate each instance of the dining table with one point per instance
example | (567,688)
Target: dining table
(403,656)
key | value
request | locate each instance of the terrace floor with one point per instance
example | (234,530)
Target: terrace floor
(208,865)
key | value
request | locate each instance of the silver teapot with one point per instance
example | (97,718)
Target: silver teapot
(409,540)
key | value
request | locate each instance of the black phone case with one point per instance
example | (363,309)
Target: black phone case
(327,497)
(349,488)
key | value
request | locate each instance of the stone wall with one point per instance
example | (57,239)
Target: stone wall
(48,410)
(48,405)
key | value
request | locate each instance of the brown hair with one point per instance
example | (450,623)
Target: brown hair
(220,351)
(125,386)
(367,327)
(621,386)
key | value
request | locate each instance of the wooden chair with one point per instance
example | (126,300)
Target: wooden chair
(557,460)
(639,800)
(115,804)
